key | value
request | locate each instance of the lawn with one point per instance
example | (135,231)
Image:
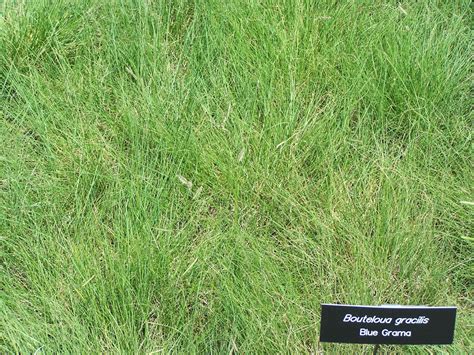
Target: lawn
(199,176)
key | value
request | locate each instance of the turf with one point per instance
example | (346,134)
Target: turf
(199,176)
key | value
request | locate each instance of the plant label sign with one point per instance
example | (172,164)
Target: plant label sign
(389,324)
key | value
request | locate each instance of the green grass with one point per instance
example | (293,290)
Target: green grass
(199,176)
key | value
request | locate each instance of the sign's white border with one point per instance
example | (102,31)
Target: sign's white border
(387,306)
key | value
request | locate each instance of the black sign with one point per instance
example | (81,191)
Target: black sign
(387,324)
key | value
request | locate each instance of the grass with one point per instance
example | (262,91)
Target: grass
(198,176)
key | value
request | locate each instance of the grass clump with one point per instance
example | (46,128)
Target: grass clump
(195,176)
